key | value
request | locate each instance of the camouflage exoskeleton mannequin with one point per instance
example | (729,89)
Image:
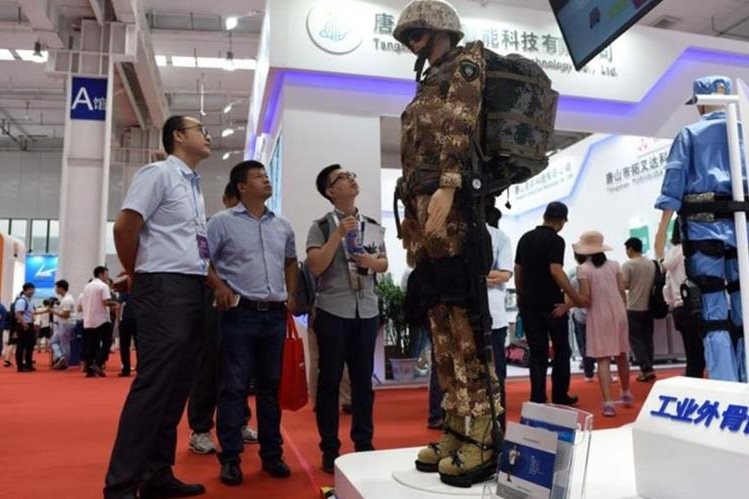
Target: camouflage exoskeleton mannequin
(438,127)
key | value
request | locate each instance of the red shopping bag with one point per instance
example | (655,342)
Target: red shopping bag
(292,391)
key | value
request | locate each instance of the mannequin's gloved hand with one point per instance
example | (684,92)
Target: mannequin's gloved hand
(438,209)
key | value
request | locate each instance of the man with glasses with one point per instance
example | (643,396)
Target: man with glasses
(161,240)
(346,312)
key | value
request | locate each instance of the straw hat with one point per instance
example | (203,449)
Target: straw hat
(590,243)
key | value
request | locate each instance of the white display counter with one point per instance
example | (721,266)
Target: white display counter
(611,473)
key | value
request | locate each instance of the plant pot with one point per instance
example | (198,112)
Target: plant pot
(404,369)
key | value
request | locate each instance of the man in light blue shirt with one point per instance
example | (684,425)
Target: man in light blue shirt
(254,253)
(698,166)
(24,316)
(161,241)
(496,286)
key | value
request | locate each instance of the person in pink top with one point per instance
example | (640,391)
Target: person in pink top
(602,285)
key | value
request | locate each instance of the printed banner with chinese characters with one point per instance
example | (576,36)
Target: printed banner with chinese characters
(546,48)
(647,163)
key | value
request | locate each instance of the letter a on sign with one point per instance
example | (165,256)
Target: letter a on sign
(82,98)
(86,98)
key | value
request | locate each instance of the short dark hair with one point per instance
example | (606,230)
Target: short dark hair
(238,173)
(598,259)
(62,283)
(28,285)
(556,211)
(676,232)
(493,215)
(634,243)
(230,191)
(100,270)
(322,180)
(171,125)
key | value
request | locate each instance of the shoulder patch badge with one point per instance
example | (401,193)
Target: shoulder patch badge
(469,70)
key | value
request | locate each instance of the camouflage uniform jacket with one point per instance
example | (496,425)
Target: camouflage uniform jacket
(437,129)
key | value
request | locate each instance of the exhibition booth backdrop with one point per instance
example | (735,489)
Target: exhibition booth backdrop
(328,71)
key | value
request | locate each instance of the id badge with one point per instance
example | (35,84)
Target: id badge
(203,250)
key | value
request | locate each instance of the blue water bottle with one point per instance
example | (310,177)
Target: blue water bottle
(353,242)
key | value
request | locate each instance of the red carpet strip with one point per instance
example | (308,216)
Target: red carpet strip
(57,428)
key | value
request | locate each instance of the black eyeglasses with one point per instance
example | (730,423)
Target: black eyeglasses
(343,175)
(415,35)
(203,129)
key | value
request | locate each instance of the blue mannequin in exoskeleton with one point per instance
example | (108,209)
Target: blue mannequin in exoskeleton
(697,184)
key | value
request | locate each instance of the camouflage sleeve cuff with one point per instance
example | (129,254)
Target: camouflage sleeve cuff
(454,180)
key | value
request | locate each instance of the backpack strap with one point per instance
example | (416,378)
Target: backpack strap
(324,225)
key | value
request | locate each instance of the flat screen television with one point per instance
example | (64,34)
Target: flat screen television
(589,26)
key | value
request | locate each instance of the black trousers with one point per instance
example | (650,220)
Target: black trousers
(350,342)
(25,347)
(689,327)
(540,326)
(641,338)
(169,318)
(128,334)
(201,406)
(106,345)
(94,341)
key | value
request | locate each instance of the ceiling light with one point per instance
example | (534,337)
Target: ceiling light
(227,132)
(245,64)
(211,63)
(231,22)
(228,154)
(6,55)
(183,62)
(33,55)
(161,60)
(227,108)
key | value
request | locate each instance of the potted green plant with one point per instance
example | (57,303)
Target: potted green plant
(398,337)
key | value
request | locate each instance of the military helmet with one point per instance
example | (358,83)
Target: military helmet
(436,15)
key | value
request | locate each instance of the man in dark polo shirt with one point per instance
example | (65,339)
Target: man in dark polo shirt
(541,284)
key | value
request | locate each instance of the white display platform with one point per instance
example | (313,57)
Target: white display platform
(377,474)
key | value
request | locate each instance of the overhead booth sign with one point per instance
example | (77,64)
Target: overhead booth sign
(88,99)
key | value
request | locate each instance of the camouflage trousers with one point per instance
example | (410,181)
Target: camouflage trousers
(461,373)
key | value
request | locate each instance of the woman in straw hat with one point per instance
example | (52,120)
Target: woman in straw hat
(607,333)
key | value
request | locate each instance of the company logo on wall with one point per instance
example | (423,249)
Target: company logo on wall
(648,164)
(335,26)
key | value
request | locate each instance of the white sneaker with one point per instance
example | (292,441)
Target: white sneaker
(201,443)
(249,435)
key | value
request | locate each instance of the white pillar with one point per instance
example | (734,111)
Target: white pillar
(84,187)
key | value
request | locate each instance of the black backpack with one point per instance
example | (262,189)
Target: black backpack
(519,111)
(12,322)
(658,306)
(307,283)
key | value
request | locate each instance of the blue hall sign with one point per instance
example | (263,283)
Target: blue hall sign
(41,270)
(88,99)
